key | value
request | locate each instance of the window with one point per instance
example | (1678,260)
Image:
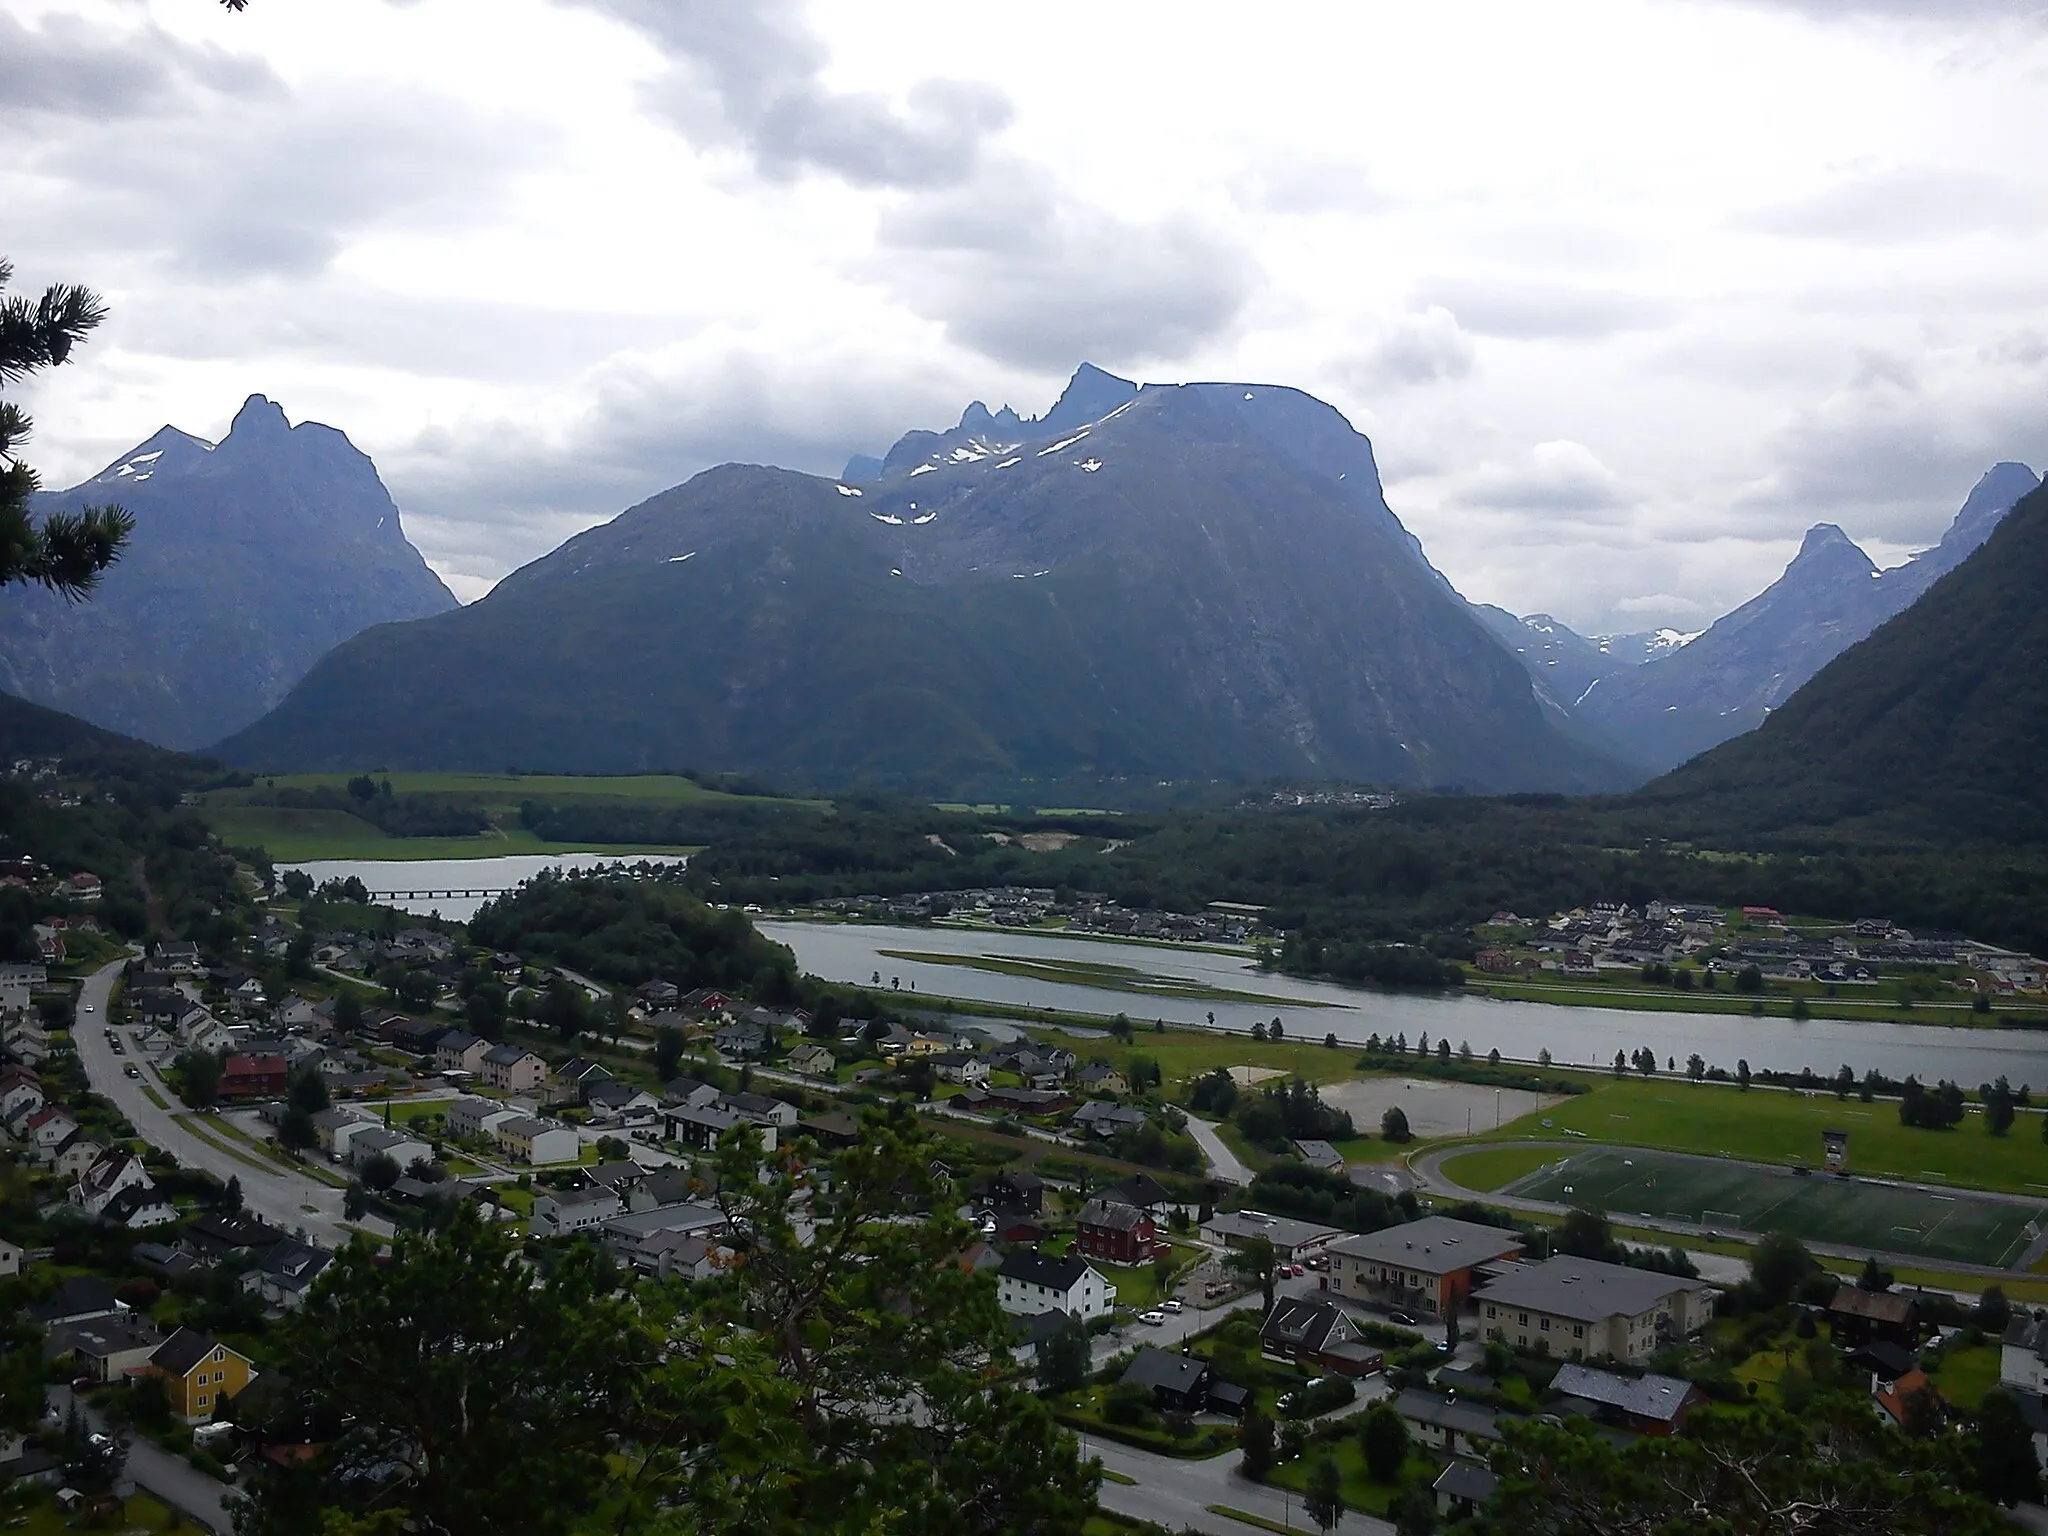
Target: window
(1525,1319)
(1578,1330)
(1546,1325)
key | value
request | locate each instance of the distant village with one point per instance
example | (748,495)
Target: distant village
(1087,912)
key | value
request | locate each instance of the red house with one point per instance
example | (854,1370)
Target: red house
(1116,1233)
(253,1077)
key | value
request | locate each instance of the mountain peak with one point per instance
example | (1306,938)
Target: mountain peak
(260,416)
(1825,545)
(1090,395)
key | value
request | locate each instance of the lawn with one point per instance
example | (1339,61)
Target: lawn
(506,790)
(1493,1168)
(1082,1410)
(1360,1491)
(1966,1373)
(140,1513)
(1769,1126)
(1818,1207)
(1184,1054)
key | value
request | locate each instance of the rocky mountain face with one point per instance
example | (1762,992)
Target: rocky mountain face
(251,558)
(1565,663)
(1933,728)
(1727,680)
(1188,582)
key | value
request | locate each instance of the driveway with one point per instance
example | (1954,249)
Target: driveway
(1177,1493)
(1223,1163)
(171,1478)
(286,1199)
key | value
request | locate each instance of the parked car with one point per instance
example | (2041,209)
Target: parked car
(132,1070)
(1402,1318)
(1152,1319)
(1170,1305)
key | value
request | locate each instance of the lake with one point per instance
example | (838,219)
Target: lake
(497,874)
(1573,1035)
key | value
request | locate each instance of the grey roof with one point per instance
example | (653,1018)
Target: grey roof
(1034,1268)
(1650,1397)
(684,1216)
(78,1296)
(182,1351)
(1320,1153)
(1435,1245)
(1157,1368)
(1283,1231)
(2028,1333)
(505,1055)
(1302,1322)
(1466,1480)
(1584,1290)
(1111,1214)
(103,1336)
(1441,1412)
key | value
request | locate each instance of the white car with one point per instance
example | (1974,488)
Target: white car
(88,1007)
(1170,1306)
(1153,1319)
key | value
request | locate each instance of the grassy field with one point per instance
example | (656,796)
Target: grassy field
(1878,1006)
(1360,1491)
(1093,973)
(1966,1373)
(1492,1168)
(1670,1115)
(1183,1054)
(1818,1207)
(503,790)
(140,1513)
(291,836)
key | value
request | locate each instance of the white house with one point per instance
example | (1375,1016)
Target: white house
(401,1148)
(1029,1283)
(558,1213)
(110,1173)
(475,1118)
(534,1140)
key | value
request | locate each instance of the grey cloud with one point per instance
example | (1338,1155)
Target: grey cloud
(1901,204)
(274,194)
(1018,274)
(1558,478)
(1303,185)
(1424,348)
(755,71)
(1522,310)
(68,67)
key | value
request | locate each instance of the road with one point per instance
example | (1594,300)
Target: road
(1176,1493)
(171,1478)
(1223,1163)
(289,1200)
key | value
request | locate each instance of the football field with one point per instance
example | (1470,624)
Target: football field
(1818,1207)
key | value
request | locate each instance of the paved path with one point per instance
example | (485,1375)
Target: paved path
(1177,1493)
(171,1478)
(1223,1163)
(286,1199)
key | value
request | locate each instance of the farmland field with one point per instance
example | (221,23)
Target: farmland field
(1818,1207)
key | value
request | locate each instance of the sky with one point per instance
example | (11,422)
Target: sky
(1627,295)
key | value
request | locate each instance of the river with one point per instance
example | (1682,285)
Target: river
(1573,1035)
(494,874)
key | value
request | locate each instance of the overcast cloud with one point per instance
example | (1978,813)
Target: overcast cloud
(1627,294)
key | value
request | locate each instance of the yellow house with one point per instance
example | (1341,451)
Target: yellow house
(198,1371)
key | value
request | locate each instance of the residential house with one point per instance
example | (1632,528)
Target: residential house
(1447,1425)
(834,1128)
(1101,1077)
(137,1207)
(216,1239)
(664,1254)
(689,1091)
(1116,1233)
(111,1172)
(1292,1240)
(619,1102)
(473,1118)
(48,1129)
(654,996)
(78,1298)
(563,1212)
(1179,1383)
(1642,1405)
(959,1067)
(199,1030)
(1317,1336)
(1033,1102)
(333,1129)
(198,1371)
(579,1074)
(536,1141)
(179,956)
(1586,1309)
(1462,1488)
(1017,1189)
(286,1273)
(10,1259)
(813,1060)
(705,1000)
(396,1145)
(514,1070)
(21,1092)
(1100,1117)
(763,1110)
(1857,1317)
(1320,1154)
(700,1128)
(106,1349)
(458,1050)
(621,1178)
(1425,1265)
(741,1042)
(75,1156)
(1028,1283)
(1896,1401)
(247,1075)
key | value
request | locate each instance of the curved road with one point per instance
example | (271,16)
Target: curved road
(1223,1163)
(286,1199)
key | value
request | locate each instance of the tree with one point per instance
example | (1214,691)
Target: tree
(1993,1311)
(668,1052)
(1749,979)
(363,788)
(1778,1266)
(231,1197)
(1585,1234)
(484,1008)
(296,1132)
(1998,1107)
(1255,1440)
(67,551)
(1414,1512)
(1394,1125)
(1063,1359)
(1120,1028)
(1276,1031)
(1620,1064)
(1383,1437)
(563,1009)
(1742,1074)
(307,1090)
(1875,1277)
(348,1012)
(1696,1066)
(1324,1497)
(1255,1261)
(199,1077)
(380,1171)
(2002,1452)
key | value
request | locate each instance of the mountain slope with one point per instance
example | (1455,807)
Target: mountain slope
(251,559)
(1565,663)
(1934,728)
(1202,582)
(1727,680)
